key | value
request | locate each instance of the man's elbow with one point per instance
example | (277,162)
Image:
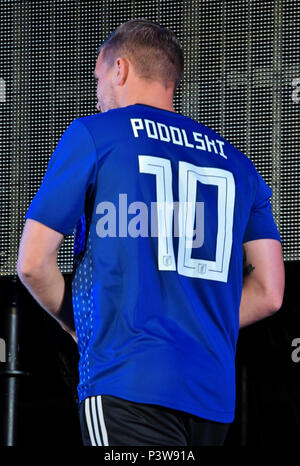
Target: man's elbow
(274,292)
(24,272)
(275,301)
(29,270)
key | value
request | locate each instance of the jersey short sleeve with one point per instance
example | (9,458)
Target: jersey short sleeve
(59,202)
(261,224)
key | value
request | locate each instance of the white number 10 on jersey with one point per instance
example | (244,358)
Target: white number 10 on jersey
(188,176)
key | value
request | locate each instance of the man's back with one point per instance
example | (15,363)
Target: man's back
(156,316)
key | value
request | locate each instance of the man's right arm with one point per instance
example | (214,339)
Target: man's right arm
(264,280)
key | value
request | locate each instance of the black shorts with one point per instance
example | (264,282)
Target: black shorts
(108,420)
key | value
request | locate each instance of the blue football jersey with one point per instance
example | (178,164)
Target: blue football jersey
(161,206)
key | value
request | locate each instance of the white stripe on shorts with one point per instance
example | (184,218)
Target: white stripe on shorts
(101,418)
(95,420)
(88,421)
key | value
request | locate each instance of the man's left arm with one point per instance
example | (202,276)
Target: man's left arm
(38,270)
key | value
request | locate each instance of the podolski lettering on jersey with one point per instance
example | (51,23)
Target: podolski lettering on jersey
(177,136)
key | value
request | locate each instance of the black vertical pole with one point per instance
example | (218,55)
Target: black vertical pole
(11,382)
(10,373)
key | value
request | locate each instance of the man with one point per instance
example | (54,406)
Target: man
(156,316)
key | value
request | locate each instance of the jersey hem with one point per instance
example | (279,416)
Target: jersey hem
(218,416)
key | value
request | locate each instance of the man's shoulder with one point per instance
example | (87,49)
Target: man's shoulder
(95,117)
(89,120)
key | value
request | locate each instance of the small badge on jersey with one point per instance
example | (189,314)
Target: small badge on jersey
(202,268)
(167,260)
